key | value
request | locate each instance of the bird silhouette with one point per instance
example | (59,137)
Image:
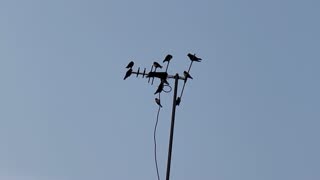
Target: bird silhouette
(167,58)
(187,75)
(160,88)
(165,81)
(128,73)
(193,57)
(178,101)
(157,65)
(130,65)
(158,101)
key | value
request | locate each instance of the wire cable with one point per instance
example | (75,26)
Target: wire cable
(155,141)
(170,89)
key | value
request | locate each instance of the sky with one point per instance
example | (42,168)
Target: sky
(251,111)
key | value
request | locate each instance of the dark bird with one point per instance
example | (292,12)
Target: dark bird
(167,58)
(130,65)
(193,57)
(128,73)
(157,65)
(165,81)
(178,101)
(187,75)
(160,88)
(158,102)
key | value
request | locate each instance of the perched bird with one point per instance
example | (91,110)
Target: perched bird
(167,58)
(193,57)
(157,65)
(130,65)
(178,101)
(165,81)
(158,102)
(160,88)
(187,75)
(128,73)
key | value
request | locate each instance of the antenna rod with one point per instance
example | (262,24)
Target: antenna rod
(176,77)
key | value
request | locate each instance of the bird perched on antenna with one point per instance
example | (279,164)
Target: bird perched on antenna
(186,75)
(178,101)
(157,65)
(165,81)
(160,88)
(167,58)
(193,57)
(158,102)
(130,65)
(128,73)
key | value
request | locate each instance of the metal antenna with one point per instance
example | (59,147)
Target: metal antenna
(164,76)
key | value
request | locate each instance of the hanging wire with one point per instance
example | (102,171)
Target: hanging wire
(155,141)
(170,88)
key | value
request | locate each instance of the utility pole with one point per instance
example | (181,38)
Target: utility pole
(164,76)
(176,79)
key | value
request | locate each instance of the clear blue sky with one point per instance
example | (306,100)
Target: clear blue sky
(252,111)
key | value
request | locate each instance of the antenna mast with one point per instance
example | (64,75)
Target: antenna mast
(164,76)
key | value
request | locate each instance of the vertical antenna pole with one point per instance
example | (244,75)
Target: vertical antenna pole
(176,77)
